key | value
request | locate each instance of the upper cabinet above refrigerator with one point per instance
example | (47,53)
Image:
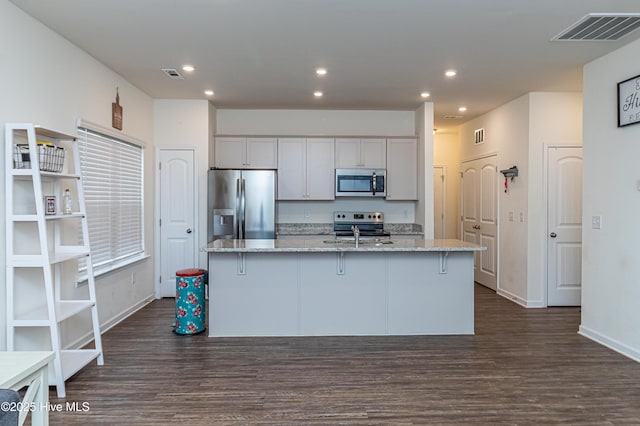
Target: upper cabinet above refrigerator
(240,152)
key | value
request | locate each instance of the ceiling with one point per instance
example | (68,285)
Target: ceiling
(380,54)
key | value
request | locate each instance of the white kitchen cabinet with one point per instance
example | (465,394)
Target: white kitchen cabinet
(402,169)
(305,169)
(354,153)
(240,152)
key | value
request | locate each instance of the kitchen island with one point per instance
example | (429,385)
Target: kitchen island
(331,287)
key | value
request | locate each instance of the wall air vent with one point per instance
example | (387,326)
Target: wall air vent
(479,136)
(601,27)
(172,74)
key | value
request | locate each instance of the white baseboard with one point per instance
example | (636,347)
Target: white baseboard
(519,300)
(110,323)
(612,344)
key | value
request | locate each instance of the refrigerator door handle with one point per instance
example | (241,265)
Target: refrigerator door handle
(238,217)
(242,209)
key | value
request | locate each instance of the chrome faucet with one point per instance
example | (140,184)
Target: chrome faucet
(356,233)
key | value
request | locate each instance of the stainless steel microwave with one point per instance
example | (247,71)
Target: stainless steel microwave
(361,183)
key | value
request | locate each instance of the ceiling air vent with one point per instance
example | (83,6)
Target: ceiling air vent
(452,117)
(172,74)
(601,27)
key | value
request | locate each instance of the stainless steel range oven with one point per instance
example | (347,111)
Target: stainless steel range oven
(369,224)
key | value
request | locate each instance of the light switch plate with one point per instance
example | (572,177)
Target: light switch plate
(596,222)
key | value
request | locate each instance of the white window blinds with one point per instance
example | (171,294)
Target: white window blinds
(112,177)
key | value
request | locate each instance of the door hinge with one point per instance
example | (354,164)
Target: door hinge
(159,166)
(160,222)
(461,175)
(160,279)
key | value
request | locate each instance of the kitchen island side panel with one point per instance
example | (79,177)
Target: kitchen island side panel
(421,300)
(342,296)
(349,293)
(253,295)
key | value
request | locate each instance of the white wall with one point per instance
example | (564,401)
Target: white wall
(446,152)
(507,134)
(555,119)
(47,80)
(610,266)
(518,133)
(314,122)
(180,123)
(424,130)
(324,122)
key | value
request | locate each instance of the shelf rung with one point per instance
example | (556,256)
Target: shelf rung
(38,260)
(74,360)
(39,317)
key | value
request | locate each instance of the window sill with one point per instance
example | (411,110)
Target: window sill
(98,272)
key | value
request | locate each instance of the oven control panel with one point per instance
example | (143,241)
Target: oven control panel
(358,217)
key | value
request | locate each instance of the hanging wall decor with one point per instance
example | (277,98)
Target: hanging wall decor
(116,113)
(629,101)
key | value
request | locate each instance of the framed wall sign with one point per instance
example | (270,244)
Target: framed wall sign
(116,112)
(629,101)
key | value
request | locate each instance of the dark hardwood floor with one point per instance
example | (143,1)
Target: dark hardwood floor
(523,366)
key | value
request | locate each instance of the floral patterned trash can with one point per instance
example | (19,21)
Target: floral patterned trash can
(190,301)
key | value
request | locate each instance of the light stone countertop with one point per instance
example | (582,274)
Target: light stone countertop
(332,245)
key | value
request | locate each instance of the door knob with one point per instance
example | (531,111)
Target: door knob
(553,235)
(189,230)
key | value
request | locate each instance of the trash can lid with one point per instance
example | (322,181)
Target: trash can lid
(191,272)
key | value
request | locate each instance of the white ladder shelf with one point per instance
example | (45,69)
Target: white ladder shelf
(44,246)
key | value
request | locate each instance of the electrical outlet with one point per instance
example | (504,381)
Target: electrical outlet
(511,216)
(522,217)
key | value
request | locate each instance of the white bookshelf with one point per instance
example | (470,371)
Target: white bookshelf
(42,163)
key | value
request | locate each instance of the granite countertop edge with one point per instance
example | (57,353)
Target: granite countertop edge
(317,246)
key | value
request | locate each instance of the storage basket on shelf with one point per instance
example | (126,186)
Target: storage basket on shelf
(50,157)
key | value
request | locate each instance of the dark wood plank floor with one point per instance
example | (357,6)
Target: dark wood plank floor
(521,367)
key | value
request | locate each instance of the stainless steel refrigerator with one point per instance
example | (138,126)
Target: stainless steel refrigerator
(241,204)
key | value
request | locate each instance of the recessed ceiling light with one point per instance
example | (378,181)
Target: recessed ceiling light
(425,94)
(208,92)
(462,109)
(188,68)
(450,73)
(318,94)
(321,71)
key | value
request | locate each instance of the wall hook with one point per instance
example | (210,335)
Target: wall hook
(509,173)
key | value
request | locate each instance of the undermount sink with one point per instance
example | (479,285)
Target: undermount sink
(363,241)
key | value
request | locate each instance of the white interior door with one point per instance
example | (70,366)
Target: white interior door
(480,216)
(438,202)
(177,216)
(564,226)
